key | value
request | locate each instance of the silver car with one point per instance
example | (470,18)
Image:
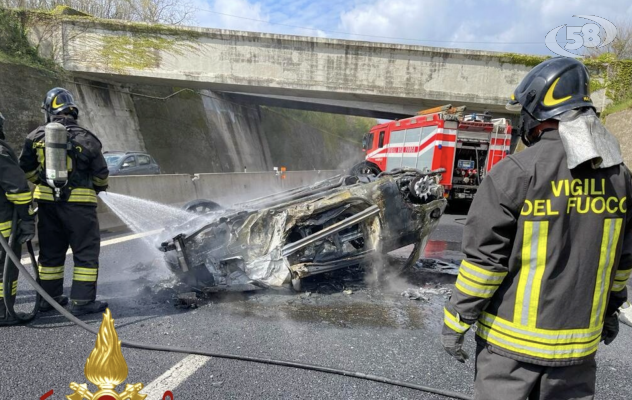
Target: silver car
(131,163)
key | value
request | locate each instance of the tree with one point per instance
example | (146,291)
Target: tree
(621,46)
(154,11)
(173,12)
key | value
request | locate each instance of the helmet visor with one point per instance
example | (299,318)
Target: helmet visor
(513,105)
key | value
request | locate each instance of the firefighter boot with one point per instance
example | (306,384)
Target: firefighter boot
(87,307)
(46,307)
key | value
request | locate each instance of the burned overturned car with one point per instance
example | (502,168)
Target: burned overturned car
(278,240)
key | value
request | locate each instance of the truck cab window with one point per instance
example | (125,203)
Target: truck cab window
(381,144)
(367,142)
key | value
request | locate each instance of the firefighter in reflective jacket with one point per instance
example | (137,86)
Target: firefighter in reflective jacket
(548,246)
(68,217)
(15,196)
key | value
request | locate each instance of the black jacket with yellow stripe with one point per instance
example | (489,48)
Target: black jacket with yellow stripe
(14,189)
(548,255)
(87,170)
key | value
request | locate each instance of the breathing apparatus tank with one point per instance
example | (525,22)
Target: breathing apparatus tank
(56,144)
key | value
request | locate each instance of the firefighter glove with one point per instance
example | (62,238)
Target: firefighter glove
(26,231)
(453,344)
(610,329)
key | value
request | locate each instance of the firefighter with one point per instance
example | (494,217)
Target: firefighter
(67,216)
(548,246)
(15,196)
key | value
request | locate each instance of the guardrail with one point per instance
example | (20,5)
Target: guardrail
(223,188)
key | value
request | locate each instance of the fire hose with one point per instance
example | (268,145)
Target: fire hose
(135,345)
(8,282)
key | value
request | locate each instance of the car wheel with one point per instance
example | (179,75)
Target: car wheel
(202,206)
(421,189)
(365,168)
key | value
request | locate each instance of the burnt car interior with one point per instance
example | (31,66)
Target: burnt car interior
(278,240)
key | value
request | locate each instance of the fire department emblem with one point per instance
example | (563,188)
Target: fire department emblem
(106,368)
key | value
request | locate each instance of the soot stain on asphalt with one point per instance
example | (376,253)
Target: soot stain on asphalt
(346,298)
(340,314)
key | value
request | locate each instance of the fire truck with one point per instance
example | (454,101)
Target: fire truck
(466,146)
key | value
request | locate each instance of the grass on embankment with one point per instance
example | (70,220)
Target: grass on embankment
(14,45)
(620,106)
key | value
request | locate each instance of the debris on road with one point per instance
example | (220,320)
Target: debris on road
(438,266)
(348,292)
(424,293)
(414,294)
(187,300)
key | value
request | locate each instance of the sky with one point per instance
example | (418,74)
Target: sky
(501,25)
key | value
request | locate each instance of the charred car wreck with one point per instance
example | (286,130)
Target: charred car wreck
(278,240)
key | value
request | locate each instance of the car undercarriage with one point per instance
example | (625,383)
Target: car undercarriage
(278,240)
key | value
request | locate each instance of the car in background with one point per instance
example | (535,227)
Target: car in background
(131,163)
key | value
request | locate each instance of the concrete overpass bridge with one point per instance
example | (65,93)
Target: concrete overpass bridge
(351,77)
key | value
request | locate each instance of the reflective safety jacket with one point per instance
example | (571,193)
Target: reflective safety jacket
(87,170)
(14,189)
(548,255)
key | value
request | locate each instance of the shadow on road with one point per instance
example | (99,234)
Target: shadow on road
(458,208)
(140,300)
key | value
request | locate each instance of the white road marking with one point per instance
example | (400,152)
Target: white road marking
(174,376)
(127,238)
(109,242)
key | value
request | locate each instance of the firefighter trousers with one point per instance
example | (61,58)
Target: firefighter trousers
(13,275)
(61,225)
(501,378)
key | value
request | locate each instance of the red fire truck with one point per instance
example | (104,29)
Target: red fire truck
(467,146)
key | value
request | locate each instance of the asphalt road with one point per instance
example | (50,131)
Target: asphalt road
(373,330)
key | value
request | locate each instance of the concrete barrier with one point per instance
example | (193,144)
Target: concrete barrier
(239,187)
(224,188)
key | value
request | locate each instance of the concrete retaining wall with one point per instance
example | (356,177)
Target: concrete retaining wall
(233,188)
(186,133)
(620,124)
(225,189)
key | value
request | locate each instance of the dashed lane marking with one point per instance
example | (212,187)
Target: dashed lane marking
(177,374)
(127,238)
(109,242)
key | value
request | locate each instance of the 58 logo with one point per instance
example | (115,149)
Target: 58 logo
(588,35)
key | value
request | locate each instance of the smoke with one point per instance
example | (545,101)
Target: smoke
(383,272)
(352,159)
(391,272)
